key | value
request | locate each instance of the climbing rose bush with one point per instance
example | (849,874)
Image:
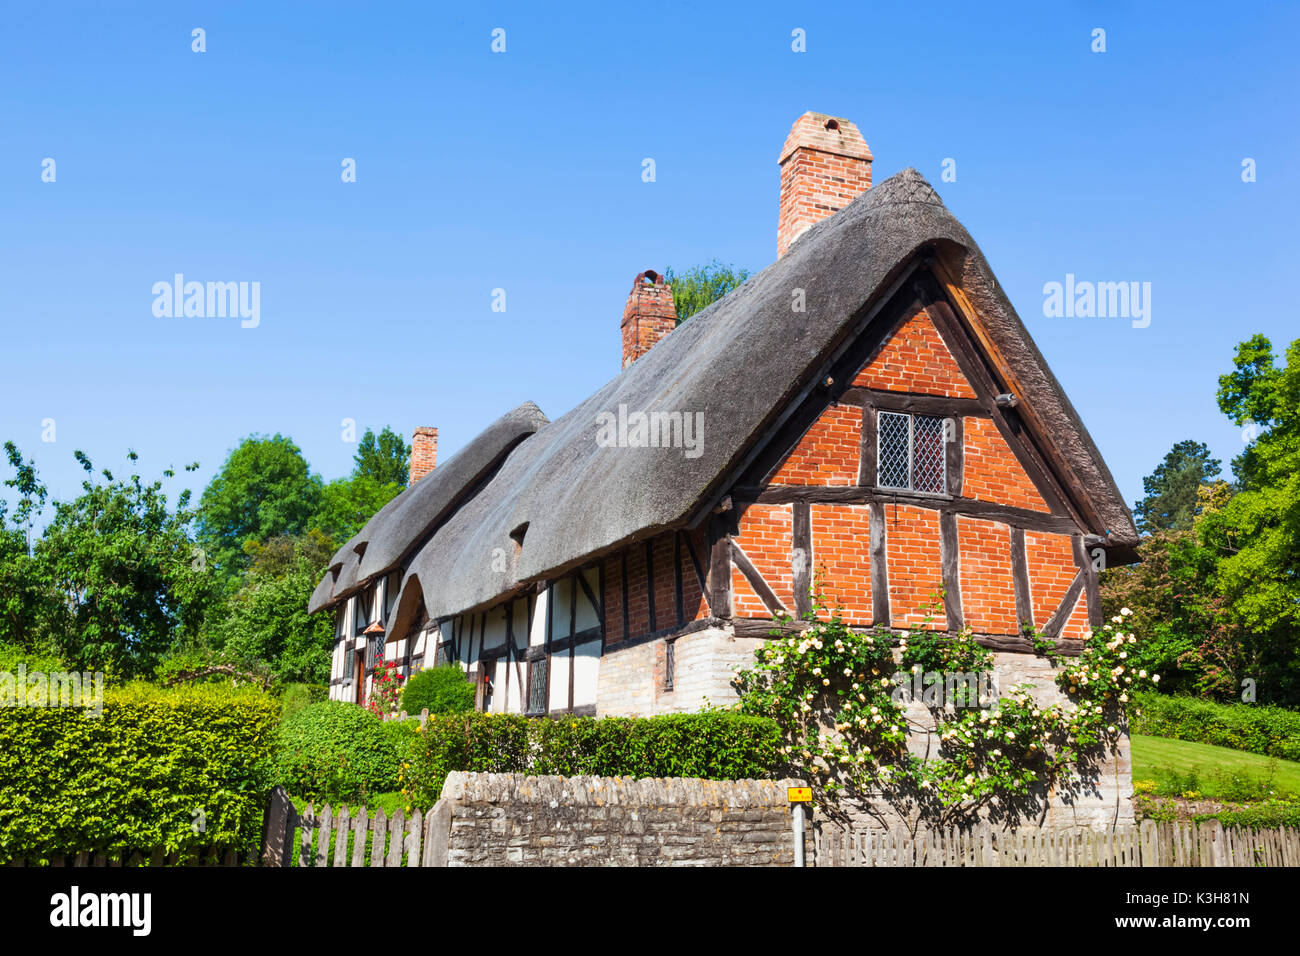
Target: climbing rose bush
(831,690)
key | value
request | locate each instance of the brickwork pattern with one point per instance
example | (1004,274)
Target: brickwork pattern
(915,359)
(841,559)
(992,472)
(1050,561)
(424,453)
(988,589)
(766,535)
(915,573)
(829,452)
(825,165)
(648,316)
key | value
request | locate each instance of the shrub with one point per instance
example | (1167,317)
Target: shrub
(297,697)
(715,745)
(45,661)
(1263,816)
(1255,728)
(444,690)
(145,774)
(336,751)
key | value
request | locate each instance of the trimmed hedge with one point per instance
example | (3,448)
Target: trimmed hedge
(715,745)
(1261,817)
(444,690)
(1255,728)
(336,751)
(297,697)
(137,776)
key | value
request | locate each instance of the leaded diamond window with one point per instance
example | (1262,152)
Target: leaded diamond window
(537,689)
(910,453)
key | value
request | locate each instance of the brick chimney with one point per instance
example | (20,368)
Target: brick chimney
(424,453)
(648,316)
(825,164)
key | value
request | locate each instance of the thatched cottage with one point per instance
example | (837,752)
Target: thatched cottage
(868,412)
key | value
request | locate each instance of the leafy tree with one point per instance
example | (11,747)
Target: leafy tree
(124,576)
(1256,534)
(385,458)
(1170,502)
(24,603)
(263,490)
(346,504)
(266,619)
(699,287)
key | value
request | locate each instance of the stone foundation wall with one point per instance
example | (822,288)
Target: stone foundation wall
(488,819)
(633,679)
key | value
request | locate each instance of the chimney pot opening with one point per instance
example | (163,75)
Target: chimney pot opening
(832,125)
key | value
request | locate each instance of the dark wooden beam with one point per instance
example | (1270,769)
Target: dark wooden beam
(971,507)
(954,452)
(650,580)
(573,648)
(597,606)
(695,563)
(755,579)
(950,560)
(914,402)
(879,565)
(626,614)
(801,539)
(1084,562)
(679,594)
(867,455)
(719,589)
(1020,577)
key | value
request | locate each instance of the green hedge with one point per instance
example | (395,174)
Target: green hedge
(443,690)
(715,745)
(1271,731)
(297,697)
(1260,817)
(337,751)
(154,766)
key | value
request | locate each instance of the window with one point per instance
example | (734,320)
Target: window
(537,689)
(670,664)
(910,453)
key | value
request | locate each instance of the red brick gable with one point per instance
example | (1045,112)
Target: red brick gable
(915,359)
(829,452)
(992,471)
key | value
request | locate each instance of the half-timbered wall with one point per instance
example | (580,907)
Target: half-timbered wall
(979,543)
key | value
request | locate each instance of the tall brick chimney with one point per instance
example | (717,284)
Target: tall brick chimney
(648,316)
(424,453)
(825,164)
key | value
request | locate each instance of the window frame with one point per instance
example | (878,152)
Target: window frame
(911,488)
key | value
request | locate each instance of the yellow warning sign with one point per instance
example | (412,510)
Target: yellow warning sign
(799,794)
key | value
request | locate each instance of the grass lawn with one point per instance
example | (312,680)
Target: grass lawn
(1214,772)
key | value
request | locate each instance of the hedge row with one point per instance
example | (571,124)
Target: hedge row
(1261,817)
(176,769)
(1271,731)
(715,745)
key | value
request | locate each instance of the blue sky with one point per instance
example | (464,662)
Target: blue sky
(522,171)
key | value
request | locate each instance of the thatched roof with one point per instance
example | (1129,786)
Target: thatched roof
(565,499)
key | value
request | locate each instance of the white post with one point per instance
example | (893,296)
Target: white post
(798,834)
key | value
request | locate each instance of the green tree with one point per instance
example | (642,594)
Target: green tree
(385,458)
(263,490)
(1256,534)
(1170,502)
(266,620)
(697,288)
(123,574)
(346,504)
(24,602)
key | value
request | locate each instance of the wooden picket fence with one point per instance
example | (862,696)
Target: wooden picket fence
(1150,844)
(343,837)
